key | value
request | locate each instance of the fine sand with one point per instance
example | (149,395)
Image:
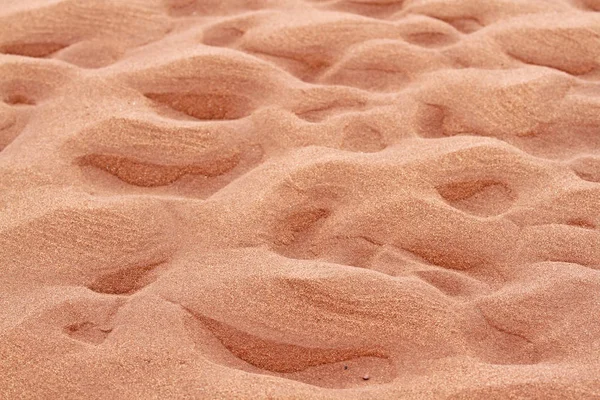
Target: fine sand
(299,199)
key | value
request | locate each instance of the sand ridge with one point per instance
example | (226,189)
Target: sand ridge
(296,199)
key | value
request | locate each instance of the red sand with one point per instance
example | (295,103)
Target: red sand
(296,199)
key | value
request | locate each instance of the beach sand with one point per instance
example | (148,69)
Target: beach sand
(300,199)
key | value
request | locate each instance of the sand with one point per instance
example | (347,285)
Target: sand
(299,199)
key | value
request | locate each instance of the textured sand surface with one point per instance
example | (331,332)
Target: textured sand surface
(299,199)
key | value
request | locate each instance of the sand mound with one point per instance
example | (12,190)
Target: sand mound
(328,199)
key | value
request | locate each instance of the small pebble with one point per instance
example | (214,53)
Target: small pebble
(366,377)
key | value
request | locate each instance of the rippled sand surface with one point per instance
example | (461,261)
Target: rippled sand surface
(296,199)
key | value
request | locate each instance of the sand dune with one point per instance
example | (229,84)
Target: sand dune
(296,199)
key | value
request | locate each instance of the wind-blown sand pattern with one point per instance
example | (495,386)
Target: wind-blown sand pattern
(300,199)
